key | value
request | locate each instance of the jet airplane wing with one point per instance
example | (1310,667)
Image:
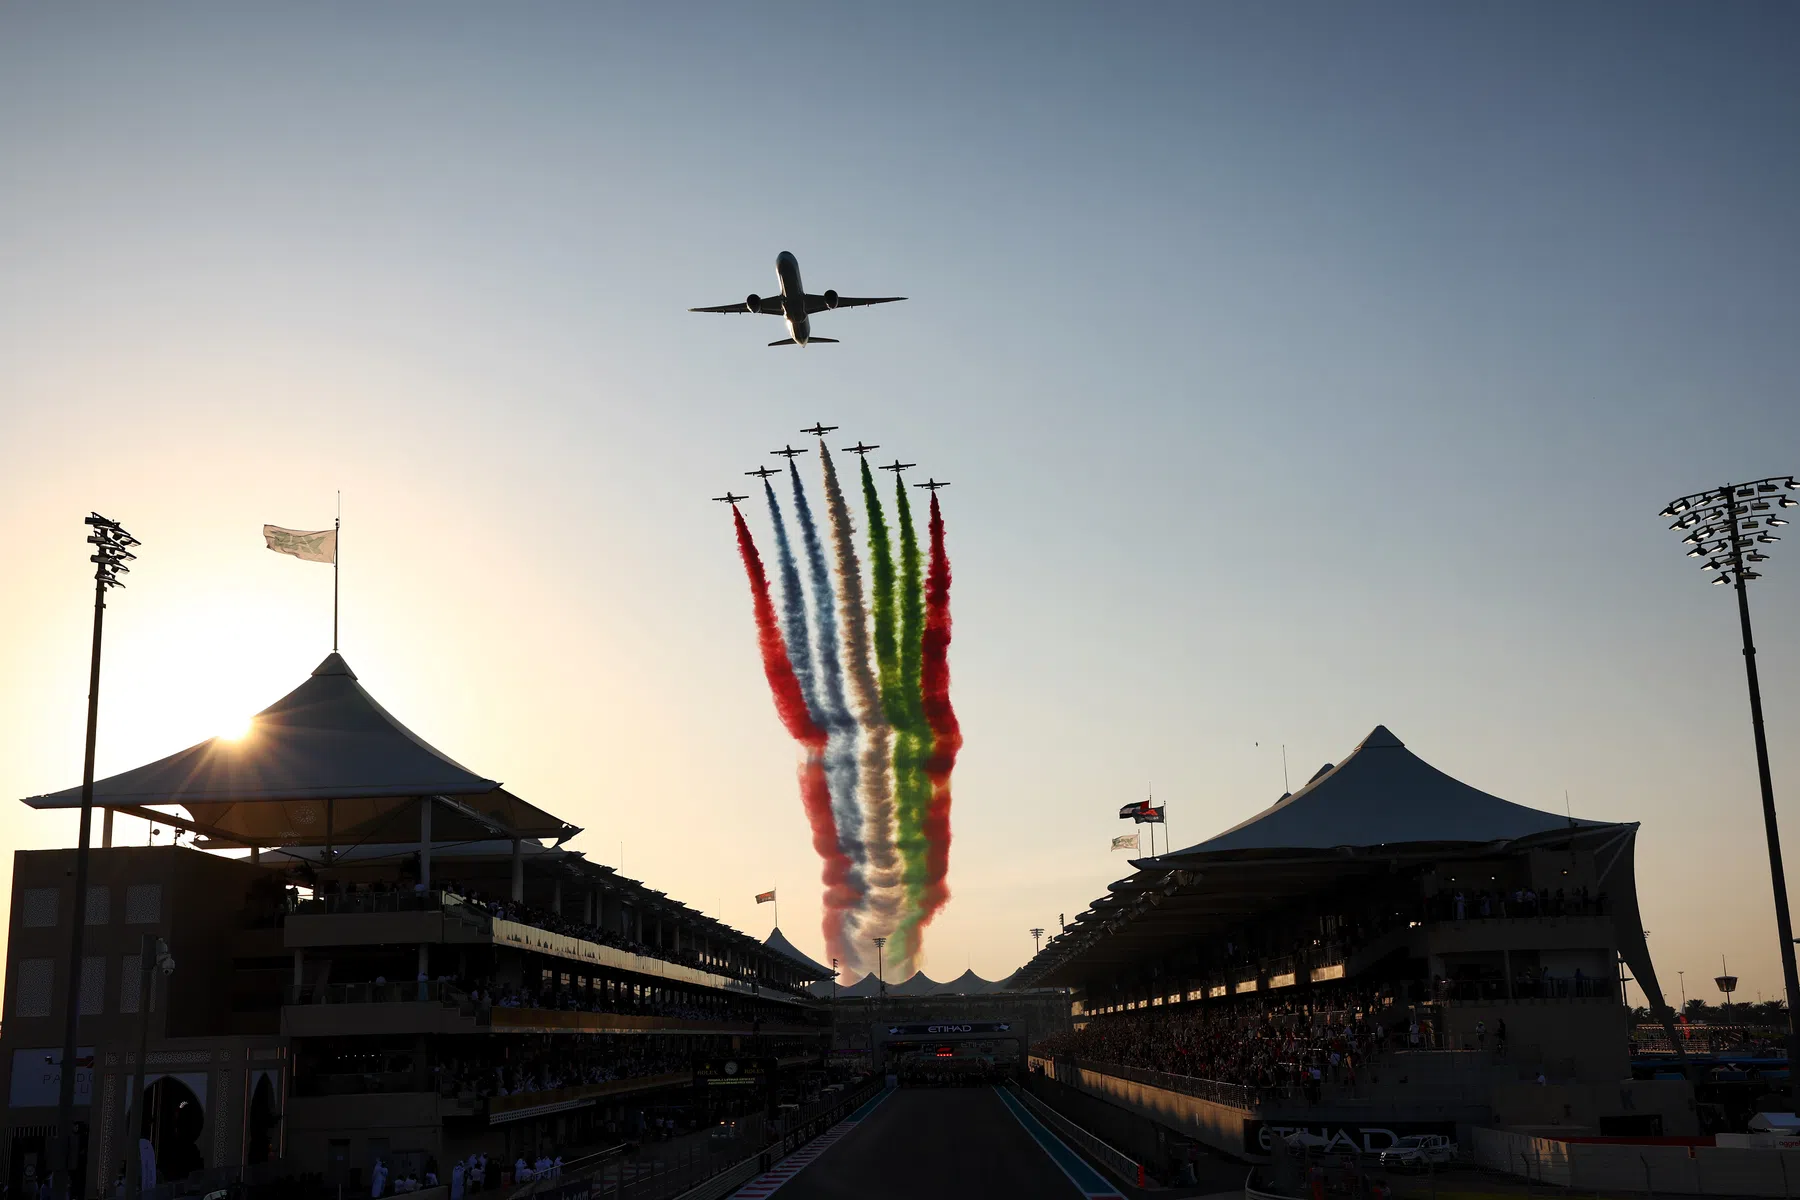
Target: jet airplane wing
(768,306)
(816,304)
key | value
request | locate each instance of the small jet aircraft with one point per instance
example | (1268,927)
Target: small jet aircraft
(859,448)
(795,304)
(763,472)
(897,466)
(819,431)
(788,452)
(728,498)
(934,485)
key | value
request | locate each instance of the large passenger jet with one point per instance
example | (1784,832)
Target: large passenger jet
(795,304)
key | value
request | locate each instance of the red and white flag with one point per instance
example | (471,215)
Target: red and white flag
(767,897)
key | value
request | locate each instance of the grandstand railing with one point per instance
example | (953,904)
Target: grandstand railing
(1234,1095)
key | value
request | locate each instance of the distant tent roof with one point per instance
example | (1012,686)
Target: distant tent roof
(968,984)
(868,985)
(327,740)
(1382,794)
(780,945)
(918,984)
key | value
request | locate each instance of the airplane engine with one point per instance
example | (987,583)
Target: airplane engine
(753,302)
(830,298)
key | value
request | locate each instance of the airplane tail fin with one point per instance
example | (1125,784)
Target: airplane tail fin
(809,341)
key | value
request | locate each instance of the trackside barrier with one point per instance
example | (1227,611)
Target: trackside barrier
(735,1176)
(1118,1164)
(1639,1167)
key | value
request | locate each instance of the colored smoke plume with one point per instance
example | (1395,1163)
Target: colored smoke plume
(946,734)
(912,734)
(791,707)
(841,767)
(881,905)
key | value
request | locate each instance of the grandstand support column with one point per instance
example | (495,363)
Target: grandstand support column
(1506,968)
(518,871)
(425,803)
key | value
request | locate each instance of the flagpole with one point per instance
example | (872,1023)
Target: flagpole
(337,535)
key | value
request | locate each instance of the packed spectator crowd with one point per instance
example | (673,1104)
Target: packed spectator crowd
(547,1064)
(1275,1047)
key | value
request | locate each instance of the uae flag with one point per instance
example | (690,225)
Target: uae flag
(767,897)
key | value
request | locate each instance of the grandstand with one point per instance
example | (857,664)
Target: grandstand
(407,965)
(1387,949)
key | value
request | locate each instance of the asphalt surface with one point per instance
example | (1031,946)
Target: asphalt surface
(936,1143)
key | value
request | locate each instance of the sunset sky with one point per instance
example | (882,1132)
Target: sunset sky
(1298,368)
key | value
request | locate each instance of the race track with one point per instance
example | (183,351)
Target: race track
(943,1144)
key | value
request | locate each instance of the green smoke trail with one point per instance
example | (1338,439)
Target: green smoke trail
(881,572)
(902,709)
(912,740)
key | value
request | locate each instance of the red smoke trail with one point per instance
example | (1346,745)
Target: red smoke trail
(946,734)
(790,706)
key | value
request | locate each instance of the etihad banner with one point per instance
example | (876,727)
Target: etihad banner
(1342,1137)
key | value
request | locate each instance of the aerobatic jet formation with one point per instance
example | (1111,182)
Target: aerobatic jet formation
(788,452)
(861,449)
(763,472)
(897,466)
(728,498)
(819,430)
(933,484)
(795,304)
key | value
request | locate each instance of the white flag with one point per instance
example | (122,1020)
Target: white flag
(319,546)
(1128,842)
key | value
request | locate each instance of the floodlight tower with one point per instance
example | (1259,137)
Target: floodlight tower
(112,550)
(1726,528)
(1037,941)
(880,976)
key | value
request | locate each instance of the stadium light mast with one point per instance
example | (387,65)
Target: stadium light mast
(112,550)
(1726,528)
(880,976)
(1037,942)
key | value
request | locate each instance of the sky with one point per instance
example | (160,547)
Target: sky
(1298,368)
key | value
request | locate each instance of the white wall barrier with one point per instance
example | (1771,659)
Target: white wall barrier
(1640,1167)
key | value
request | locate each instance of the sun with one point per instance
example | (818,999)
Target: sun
(237,730)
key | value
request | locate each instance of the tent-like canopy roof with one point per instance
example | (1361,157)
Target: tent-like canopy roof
(777,942)
(969,984)
(917,984)
(324,764)
(1382,794)
(1383,806)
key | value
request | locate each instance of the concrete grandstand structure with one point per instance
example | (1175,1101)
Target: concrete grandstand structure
(400,961)
(1387,949)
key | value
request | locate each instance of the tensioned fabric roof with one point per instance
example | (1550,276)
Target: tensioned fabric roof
(777,941)
(1381,794)
(1383,805)
(325,764)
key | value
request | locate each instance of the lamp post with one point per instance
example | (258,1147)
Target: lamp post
(1726,528)
(153,959)
(112,550)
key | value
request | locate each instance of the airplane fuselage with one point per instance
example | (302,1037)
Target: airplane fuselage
(793,298)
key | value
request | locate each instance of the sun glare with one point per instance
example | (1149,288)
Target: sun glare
(238,730)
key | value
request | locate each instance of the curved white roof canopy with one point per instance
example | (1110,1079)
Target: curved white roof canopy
(327,741)
(1381,795)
